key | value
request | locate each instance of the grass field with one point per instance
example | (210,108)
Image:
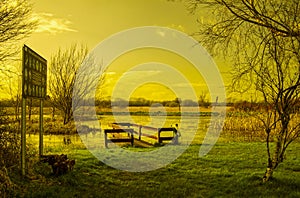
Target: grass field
(229,170)
(233,168)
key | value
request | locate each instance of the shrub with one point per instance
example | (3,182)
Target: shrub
(9,152)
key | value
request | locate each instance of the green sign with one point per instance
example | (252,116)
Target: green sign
(34,70)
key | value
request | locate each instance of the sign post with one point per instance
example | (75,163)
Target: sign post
(41,148)
(23,135)
(34,85)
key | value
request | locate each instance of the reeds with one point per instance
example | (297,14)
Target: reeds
(243,127)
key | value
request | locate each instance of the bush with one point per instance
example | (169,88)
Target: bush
(9,142)
(55,128)
(9,152)
(10,146)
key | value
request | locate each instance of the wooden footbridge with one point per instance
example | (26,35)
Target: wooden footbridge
(133,133)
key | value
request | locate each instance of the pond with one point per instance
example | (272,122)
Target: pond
(191,128)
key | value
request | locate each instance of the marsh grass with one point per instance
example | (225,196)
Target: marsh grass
(243,127)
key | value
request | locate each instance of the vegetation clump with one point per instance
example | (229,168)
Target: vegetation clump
(60,163)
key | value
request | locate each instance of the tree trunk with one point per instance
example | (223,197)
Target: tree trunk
(67,117)
(268,174)
(273,163)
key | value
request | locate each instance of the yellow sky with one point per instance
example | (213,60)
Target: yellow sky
(65,22)
(155,61)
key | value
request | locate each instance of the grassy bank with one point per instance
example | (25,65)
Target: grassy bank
(229,170)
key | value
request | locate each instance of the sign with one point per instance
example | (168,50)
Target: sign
(34,70)
(34,85)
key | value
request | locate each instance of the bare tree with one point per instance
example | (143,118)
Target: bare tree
(178,101)
(101,91)
(263,37)
(64,68)
(203,100)
(11,87)
(16,22)
(14,90)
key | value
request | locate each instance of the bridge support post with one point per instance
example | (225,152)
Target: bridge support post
(158,136)
(140,132)
(105,139)
(175,134)
(132,139)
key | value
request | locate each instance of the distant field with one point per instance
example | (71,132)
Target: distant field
(173,111)
(147,109)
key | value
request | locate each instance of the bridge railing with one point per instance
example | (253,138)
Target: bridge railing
(118,136)
(161,132)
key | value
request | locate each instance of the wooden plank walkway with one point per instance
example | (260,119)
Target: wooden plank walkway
(142,143)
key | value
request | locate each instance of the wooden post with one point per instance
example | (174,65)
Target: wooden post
(158,133)
(175,136)
(140,132)
(23,137)
(105,139)
(132,138)
(41,147)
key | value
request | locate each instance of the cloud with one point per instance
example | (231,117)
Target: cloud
(177,27)
(51,24)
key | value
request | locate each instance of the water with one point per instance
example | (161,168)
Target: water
(188,126)
(192,128)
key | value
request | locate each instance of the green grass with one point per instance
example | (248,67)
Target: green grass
(229,170)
